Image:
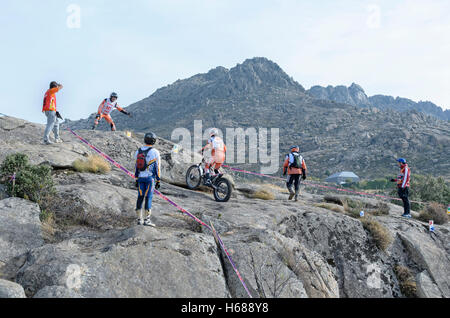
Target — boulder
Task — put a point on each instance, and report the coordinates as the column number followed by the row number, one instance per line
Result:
column 137, row 262
column 20, row 228
column 56, row 292
column 429, row 256
column 426, row 288
column 11, row 290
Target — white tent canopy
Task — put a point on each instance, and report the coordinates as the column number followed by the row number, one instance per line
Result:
column 342, row 177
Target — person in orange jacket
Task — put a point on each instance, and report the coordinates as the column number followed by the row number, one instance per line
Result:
column 49, row 109
column 294, row 166
column 105, row 109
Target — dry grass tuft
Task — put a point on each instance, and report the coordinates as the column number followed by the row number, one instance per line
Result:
column 93, row 164
column 334, row 199
column 48, row 225
column 264, row 194
column 382, row 208
column 276, row 188
column 407, row 282
column 379, row 233
column 434, row 211
column 332, row 207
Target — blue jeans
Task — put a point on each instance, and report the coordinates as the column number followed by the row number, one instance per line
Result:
column 146, row 186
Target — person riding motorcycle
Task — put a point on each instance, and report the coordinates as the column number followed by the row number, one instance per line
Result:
column 105, row 109
column 218, row 154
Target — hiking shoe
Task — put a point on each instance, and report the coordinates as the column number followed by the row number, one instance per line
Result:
column 296, row 198
column 48, row 142
column 58, row 141
column 148, row 222
column 406, row 216
column 140, row 222
column 291, row 196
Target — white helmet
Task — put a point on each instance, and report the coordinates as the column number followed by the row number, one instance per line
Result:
column 213, row 132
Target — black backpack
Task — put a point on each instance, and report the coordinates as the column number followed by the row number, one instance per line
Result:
column 297, row 162
column 141, row 160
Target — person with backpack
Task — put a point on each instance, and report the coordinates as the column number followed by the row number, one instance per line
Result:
column 49, row 109
column 148, row 177
column 294, row 166
column 105, row 109
column 403, row 186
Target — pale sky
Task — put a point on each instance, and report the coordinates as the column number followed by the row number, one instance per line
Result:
column 398, row 48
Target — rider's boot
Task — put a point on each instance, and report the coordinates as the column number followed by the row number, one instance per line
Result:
column 140, row 217
column 147, row 221
column 207, row 178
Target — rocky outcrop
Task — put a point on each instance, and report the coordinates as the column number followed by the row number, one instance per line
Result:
column 281, row 248
column 11, row 290
column 56, row 292
column 137, row 262
column 355, row 95
column 20, row 228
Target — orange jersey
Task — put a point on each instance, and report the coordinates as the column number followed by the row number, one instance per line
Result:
column 50, row 100
column 403, row 177
column 292, row 170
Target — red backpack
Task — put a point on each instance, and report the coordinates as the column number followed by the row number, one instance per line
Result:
column 141, row 160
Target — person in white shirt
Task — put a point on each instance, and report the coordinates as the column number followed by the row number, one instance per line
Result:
column 148, row 177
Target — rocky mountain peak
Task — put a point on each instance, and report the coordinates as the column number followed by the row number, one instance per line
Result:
column 260, row 71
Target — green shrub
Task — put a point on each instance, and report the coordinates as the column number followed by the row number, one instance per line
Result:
column 33, row 183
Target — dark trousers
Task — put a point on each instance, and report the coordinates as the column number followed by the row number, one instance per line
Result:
column 403, row 194
column 293, row 179
column 145, row 192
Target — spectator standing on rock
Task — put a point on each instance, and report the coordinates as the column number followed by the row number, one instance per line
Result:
column 49, row 109
column 294, row 166
column 403, row 186
column 147, row 174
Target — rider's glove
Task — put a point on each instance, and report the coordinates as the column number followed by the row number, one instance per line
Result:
column 137, row 183
column 393, row 180
column 284, row 172
column 304, row 176
column 158, row 185
column 97, row 117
